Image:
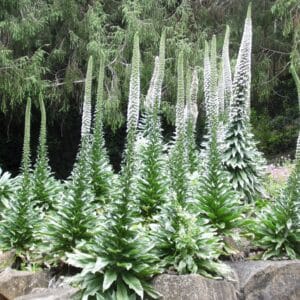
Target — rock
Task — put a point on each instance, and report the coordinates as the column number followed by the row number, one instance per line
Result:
column 268, row 280
column 193, row 287
column 7, row 259
column 15, row 283
column 60, row 293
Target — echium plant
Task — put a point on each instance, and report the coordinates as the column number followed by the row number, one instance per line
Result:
column 212, row 93
column 118, row 263
column 7, row 186
column 102, row 177
column 241, row 157
column 19, row 219
column 44, row 186
column 73, row 219
column 153, row 179
column 187, row 244
column 178, row 162
column 226, row 73
column 183, row 242
column 191, row 114
column 276, row 228
column 216, row 200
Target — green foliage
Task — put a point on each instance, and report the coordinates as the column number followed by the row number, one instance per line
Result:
column 120, row 257
column 19, row 219
column 216, row 199
column 187, row 244
column 6, row 187
column 45, row 187
column 74, row 216
column 152, row 181
column 101, row 172
column 276, row 228
column 191, row 114
column 241, row 157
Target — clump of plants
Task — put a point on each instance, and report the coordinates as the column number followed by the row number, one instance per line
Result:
column 119, row 262
column 74, row 215
column 172, row 207
column 19, row 219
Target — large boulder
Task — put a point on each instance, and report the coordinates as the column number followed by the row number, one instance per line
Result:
column 193, row 287
column 7, row 259
column 268, row 280
column 60, row 293
column 253, row 280
column 15, row 283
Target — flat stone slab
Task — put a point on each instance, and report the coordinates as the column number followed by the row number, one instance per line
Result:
column 193, row 287
column 60, row 293
column 254, row 280
column 268, row 280
column 15, row 283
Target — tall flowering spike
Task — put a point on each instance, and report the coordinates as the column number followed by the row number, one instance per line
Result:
column 134, row 87
column 241, row 157
column 161, row 73
column 87, row 103
column 99, row 102
column 43, row 133
column 226, row 70
column 213, row 80
column 187, row 95
column 297, row 81
column 25, row 165
column 221, row 91
column 180, row 96
column 242, row 75
column 207, row 73
column 193, row 95
column 152, row 91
